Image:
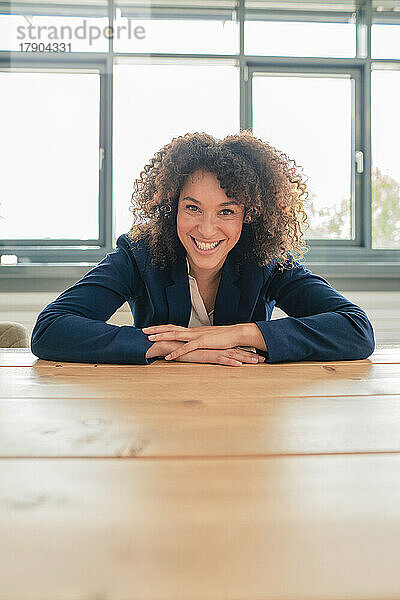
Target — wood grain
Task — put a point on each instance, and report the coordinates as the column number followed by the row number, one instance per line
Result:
column 185, row 381
column 282, row 528
column 210, row 427
column 22, row 357
column 203, row 482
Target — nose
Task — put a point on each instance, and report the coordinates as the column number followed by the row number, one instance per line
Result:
column 206, row 227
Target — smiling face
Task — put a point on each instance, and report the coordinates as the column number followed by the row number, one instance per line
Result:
column 208, row 223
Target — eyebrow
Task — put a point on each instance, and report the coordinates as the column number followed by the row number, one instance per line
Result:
column 222, row 203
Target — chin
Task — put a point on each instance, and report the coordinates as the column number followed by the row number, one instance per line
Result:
column 207, row 262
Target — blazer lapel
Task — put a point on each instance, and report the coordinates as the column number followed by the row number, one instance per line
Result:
column 178, row 294
column 228, row 295
column 179, row 300
column 251, row 284
column 238, row 293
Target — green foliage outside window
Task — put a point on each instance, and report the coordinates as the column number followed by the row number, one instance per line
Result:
column 334, row 222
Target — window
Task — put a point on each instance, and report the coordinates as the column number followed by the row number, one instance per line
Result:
column 80, row 28
column 296, row 28
column 385, row 31
column 177, row 26
column 385, row 41
column 282, row 38
column 309, row 118
column 49, row 154
column 385, row 161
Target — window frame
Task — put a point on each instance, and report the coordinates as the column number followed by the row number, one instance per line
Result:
column 70, row 250
column 330, row 256
column 322, row 67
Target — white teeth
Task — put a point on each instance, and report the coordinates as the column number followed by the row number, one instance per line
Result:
column 204, row 246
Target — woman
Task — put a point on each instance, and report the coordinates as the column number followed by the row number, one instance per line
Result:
column 213, row 248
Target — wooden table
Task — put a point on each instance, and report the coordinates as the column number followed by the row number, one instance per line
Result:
column 197, row 482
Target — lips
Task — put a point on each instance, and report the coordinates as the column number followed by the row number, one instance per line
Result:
column 210, row 251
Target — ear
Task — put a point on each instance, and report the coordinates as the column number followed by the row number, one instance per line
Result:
column 247, row 218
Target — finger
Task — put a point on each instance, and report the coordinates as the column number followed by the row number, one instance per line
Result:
column 162, row 328
column 247, row 353
column 184, row 349
column 231, row 362
column 256, row 358
column 171, row 335
column 246, row 356
column 243, row 356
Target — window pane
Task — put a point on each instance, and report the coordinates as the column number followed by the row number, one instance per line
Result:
column 337, row 6
column 385, row 41
column 154, row 103
column 385, row 159
column 177, row 4
column 385, row 31
column 280, row 38
column 59, row 6
column 79, row 34
column 309, row 118
column 180, row 36
column 176, row 26
column 49, row 155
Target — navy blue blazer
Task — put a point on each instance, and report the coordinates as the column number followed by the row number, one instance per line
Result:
column 321, row 324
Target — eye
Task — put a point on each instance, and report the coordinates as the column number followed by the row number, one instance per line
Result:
column 230, row 211
column 190, row 206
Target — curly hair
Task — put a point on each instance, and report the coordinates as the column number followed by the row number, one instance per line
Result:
column 251, row 171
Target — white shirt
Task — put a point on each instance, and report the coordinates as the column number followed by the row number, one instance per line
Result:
column 199, row 315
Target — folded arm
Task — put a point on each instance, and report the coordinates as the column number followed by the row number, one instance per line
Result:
column 321, row 324
column 73, row 328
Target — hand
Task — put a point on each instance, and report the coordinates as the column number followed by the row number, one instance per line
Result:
column 161, row 349
column 229, row 356
column 214, row 337
column 234, row 357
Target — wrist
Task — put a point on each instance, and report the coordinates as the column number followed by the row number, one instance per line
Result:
column 154, row 350
column 250, row 335
column 162, row 348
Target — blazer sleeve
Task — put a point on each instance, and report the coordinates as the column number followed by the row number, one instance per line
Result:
column 73, row 327
column 321, row 323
